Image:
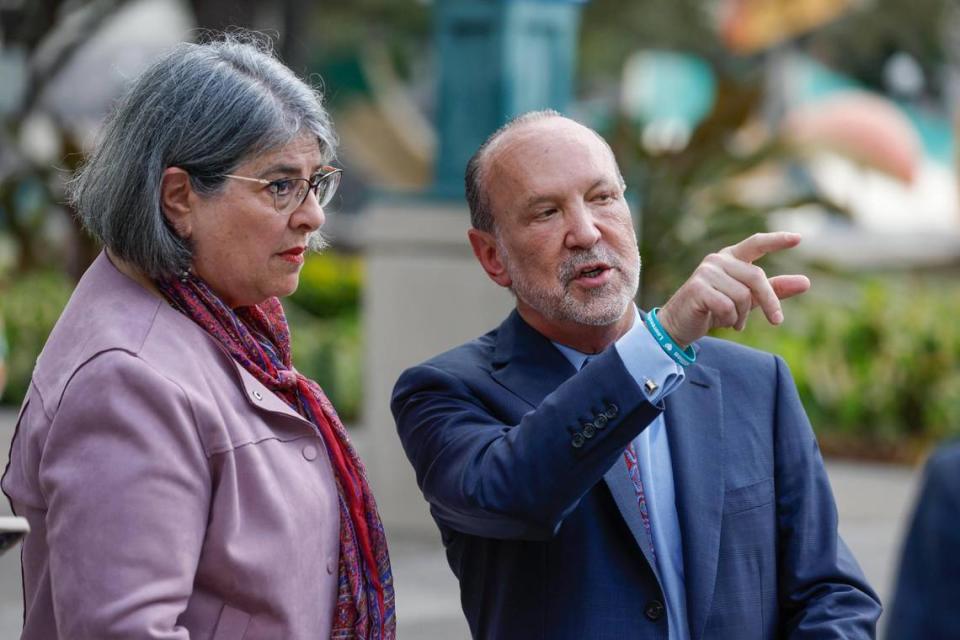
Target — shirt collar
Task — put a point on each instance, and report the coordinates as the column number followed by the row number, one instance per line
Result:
column 577, row 358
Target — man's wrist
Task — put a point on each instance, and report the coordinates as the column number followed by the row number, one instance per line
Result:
column 665, row 321
column 683, row 355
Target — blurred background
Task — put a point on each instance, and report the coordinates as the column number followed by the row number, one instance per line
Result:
column 833, row 118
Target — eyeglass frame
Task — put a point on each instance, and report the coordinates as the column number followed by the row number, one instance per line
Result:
column 313, row 184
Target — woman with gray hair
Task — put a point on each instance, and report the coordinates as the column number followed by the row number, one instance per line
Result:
column 181, row 478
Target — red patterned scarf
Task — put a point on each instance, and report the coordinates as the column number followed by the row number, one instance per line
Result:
column 259, row 339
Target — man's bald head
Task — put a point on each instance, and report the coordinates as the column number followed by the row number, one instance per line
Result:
column 478, row 200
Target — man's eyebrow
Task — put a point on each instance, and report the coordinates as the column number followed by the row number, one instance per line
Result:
column 603, row 182
column 536, row 199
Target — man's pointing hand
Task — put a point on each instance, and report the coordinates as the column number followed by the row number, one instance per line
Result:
column 726, row 286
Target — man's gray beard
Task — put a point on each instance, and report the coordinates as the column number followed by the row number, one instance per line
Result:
column 604, row 306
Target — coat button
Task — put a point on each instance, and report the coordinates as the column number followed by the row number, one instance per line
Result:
column 256, row 395
column 612, row 411
column 653, row 610
column 577, row 440
column 310, row 452
column 589, row 430
column 601, row 421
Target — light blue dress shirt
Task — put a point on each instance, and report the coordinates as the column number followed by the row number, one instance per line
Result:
column 645, row 360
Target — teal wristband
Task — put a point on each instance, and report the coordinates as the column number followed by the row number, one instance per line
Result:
column 683, row 357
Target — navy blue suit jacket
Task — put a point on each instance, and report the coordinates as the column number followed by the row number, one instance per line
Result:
column 926, row 605
column 545, row 536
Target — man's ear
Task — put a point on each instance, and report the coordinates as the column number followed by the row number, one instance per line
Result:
column 176, row 199
column 485, row 248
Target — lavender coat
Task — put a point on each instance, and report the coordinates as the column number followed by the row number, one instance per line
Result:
column 170, row 494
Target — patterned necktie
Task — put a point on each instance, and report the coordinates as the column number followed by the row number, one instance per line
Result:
column 633, row 468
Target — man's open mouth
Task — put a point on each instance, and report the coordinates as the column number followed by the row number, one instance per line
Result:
column 592, row 270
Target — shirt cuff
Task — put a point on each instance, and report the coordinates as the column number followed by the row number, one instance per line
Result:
column 655, row 372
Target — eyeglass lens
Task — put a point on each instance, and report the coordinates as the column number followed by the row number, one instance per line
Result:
column 291, row 193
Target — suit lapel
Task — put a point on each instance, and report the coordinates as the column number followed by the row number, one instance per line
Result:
column 526, row 363
column 624, row 494
column 694, row 419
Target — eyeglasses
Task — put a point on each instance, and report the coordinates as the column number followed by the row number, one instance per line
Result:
column 290, row 193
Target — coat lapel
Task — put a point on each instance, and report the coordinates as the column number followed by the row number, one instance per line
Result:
column 694, row 419
column 259, row 396
column 621, row 486
column 526, row 363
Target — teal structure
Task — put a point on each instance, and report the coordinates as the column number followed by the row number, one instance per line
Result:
column 497, row 58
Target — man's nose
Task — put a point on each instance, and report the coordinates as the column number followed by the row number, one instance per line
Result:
column 582, row 232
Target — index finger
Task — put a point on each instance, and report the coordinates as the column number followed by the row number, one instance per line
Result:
column 760, row 244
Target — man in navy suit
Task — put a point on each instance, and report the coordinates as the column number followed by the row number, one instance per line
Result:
column 598, row 473
column 927, row 600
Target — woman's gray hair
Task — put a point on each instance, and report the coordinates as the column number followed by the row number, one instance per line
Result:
column 205, row 108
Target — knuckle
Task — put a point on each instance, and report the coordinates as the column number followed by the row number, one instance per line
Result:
column 743, row 295
column 727, row 306
column 698, row 286
column 705, row 272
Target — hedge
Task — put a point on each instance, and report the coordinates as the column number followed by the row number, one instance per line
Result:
column 878, row 366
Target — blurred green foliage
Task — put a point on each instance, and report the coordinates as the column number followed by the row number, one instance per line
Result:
column 29, row 307
column 878, row 364
column 330, row 351
column 324, row 316
column 330, row 285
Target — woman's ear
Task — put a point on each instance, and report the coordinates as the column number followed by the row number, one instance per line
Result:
column 176, row 197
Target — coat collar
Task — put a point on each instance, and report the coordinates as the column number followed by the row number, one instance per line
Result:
column 258, row 395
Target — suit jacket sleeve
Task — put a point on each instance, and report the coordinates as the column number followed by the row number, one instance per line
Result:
column 127, row 487
column 486, row 477
column 822, row 591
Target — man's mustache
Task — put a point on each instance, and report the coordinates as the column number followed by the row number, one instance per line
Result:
column 571, row 267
